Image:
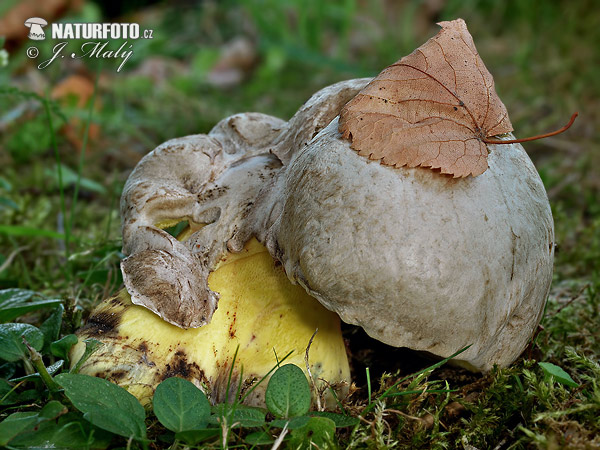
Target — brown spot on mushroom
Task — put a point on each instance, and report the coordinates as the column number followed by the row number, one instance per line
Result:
column 102, row 323
column 232, row 326
column 116, row 375
column 180, row 367
column 211, row 194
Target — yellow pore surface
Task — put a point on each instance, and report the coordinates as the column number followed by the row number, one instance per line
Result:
column 259, row 312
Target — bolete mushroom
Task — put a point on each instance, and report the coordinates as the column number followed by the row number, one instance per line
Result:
column 36, row 32
column 212, row 182
column 417, row 258
column 261, row 318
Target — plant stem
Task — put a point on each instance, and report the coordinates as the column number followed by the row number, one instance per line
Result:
column 36, row 360
column 534, row 138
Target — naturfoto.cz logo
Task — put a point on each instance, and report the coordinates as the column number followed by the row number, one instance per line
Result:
column 97, row 35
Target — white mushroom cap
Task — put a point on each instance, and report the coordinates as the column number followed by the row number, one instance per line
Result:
column 416, row 258
column 214, row 180
column 35, row 21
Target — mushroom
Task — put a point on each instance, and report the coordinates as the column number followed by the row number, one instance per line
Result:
column 261, row 318
column 35, row 24
column 213, row 182
column 416, row 258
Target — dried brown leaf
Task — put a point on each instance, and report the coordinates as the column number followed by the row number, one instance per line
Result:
column 433, row 108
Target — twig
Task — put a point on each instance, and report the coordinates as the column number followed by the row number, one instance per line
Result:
column 572, row 299
column 403, row 414
column 499, row 446
column 365, row 420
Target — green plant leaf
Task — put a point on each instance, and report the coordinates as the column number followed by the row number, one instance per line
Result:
column 21, row 422
column 340, row 420
column 292, row 424
column 52, row 410
column 238, row 415
column 16, row 302
column 12, row 347
column 35, row 376
column 29, row 395
column 21, row 230
column 62, row 347
column 15, row 424
column 194, row 437
column 42, row 437
column 51, row 328
column 8, row 369
column 7, row 395
column 288, row 392
column 552, row 370
column 105, row 404
column 7, row 203
column 70, row 178
column 259, row 438
column 71, row 432
column 318, row 432
column 180, row 406
column 4, row 183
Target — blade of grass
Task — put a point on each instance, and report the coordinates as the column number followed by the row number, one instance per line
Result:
column 421, row 391
column 387, row 392
column 231, row 374
column 63, row 207
column 368, row 383
column 265, row 377
column 22, row 230
column 86, row 133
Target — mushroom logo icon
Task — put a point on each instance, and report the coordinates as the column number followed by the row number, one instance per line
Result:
column 36, row 24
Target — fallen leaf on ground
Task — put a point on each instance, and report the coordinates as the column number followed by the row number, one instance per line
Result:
column 82, row 89
column 433, row 108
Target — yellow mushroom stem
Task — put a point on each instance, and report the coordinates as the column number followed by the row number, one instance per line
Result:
column 260, row 313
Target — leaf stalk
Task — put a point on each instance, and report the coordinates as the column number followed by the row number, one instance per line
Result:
column 534, row 138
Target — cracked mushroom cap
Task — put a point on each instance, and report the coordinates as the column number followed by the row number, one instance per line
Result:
column 419, row 259
column 213, row 181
